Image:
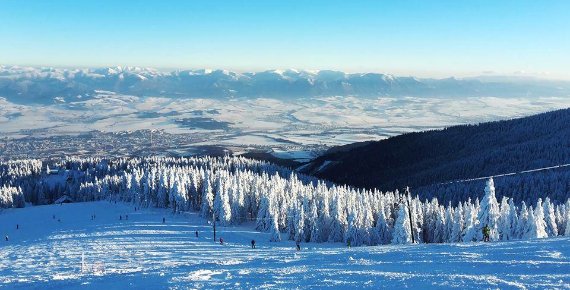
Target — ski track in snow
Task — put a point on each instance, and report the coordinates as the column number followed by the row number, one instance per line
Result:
column 144, row 253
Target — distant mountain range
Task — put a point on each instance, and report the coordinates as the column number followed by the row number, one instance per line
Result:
column 429, row 161
column 48, row 85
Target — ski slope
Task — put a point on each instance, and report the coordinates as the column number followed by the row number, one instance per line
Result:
column 142, row 252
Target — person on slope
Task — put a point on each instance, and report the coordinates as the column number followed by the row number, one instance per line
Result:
column 348, row 242
column 196, row 234
column 298, row 246
column 253, row 244
column 486, row 233
column 221, row 241
column 6, row 238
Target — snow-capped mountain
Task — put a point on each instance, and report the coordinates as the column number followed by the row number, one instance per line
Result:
column 43, row 85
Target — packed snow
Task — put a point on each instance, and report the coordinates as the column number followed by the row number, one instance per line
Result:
column 94, row 246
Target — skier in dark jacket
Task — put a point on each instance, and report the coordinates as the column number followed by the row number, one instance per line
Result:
column 253, row 244
column 298, row 246
column 196, row 233
column 221, row 241
column 486, row 233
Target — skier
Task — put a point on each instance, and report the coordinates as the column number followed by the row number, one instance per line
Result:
column 120, row 217
column 253, row 244
column 486, row 233
column 298, row 246
column 6, row 238
column 163, row 220
column 196, row 234
column 348, row 243
column 17, row 226
column 221, row 241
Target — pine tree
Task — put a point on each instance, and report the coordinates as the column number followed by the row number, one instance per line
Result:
column 504, row 220
column 567, row 232
column 439, row 231
column 402, row 233
column 291, row 219
column 264, row 217
column 471, row 223
column 550, row 218
column 207, row 198
column 456, row 233
column 338, row 221
column 524, row 222
column 351, row 235
column 382, row 229
column 448, row 223
column 315, row 226
column 489, row 213
column 225, row 214
column 163, row 189
column 537, row 227
column 512, row 221
column 275, row 235
column 299, row 224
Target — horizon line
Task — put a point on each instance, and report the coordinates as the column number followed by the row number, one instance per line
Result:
column 435, row 76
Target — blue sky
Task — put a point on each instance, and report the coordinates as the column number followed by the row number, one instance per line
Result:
column 423, row 38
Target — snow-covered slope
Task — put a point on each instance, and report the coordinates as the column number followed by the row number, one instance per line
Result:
column 143, row 253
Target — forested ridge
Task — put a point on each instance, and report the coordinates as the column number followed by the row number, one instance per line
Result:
column 424, row 160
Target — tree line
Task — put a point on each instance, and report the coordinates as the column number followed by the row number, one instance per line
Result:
column 234, row 190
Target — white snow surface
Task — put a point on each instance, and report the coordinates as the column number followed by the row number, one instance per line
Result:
column 144, row 253
column 265, row 122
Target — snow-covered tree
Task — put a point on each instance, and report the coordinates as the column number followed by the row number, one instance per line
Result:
column 567, row 232
column 207, row 198
column 550, row 218
column 537, row 226
column 524, row 223
column 402, row 233
column 489, row 213
column 383, row 231
column 275, row 235
column 458, row 222
column 264, row 217
column 471, row 228
column 315, row 226
column 504, row 226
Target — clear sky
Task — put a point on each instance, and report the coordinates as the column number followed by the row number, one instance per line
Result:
column 423, row 38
